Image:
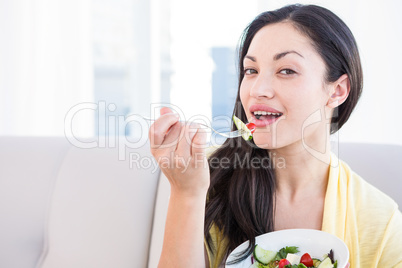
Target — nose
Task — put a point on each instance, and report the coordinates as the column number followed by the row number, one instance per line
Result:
column 262, row 88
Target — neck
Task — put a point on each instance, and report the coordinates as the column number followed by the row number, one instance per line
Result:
column 304, row 173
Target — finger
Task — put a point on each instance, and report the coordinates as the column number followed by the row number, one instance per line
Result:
column 183, row 147
column 165, row 110
column 160, row 127
column 194, row 141
column 199, row 143
column 173, row 136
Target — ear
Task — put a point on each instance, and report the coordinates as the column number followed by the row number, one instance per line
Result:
column 339, row 91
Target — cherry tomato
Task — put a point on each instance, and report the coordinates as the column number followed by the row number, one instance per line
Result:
column 306, row 260
column 251, row 127
column 283, row 263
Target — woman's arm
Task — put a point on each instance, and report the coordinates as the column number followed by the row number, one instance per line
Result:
column 179, row 150
column 183, row 244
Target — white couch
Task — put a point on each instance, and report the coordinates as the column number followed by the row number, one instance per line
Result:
column 68, row 207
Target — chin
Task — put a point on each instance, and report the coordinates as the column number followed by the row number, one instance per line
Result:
column 264, row 141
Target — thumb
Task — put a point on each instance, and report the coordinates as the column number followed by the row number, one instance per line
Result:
column 165, row 110
column 199, row 143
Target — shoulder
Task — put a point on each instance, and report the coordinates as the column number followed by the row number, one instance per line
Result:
column 363, row 194
column 364, row 217
column 376, row 217
column 360, row 203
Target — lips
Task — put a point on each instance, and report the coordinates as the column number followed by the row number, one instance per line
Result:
column 264, row 115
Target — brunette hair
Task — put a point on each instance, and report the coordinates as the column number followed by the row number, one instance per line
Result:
column 241, row 198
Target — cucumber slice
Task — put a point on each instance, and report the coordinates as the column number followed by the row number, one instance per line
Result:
column 316, row 262
column 263, row 256
column 241, row 126
column 326, row 263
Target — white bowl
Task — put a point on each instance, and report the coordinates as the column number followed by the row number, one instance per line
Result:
column 316, row 243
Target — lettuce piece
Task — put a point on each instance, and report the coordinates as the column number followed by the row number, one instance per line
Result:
column 283, row 252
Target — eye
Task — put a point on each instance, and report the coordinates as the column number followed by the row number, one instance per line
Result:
column 287, row 71
column 249, row 71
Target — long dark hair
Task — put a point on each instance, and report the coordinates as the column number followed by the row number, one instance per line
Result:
column 241, row 196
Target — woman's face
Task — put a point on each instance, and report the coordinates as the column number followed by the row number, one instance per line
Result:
column 284, row 82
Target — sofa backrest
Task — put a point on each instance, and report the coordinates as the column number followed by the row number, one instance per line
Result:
column 28, row 172
column 379, row 164
column 64, row 206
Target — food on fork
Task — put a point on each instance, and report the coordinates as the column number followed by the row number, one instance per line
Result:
column 247, row 128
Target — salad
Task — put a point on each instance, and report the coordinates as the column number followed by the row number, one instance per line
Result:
column 289, row 257
column 248, row 128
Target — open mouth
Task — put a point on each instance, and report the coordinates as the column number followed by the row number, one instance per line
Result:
column 263, row 115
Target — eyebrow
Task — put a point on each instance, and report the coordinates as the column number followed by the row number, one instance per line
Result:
column 277, row 56
column 251, row 58
column 283, row 54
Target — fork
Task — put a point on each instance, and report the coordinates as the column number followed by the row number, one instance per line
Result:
column 227, row 134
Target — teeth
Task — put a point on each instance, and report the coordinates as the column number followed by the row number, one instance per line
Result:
column 265, row 113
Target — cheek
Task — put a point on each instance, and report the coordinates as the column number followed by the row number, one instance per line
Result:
column 243, row 94
column 302, row 110
column 306, row 99
column 306, row 114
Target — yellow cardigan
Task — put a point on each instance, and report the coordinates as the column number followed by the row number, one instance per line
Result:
column 367, row 220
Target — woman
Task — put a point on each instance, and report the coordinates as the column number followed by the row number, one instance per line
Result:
column 300, row 79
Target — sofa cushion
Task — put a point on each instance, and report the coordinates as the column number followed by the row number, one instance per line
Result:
column 28, row 171
column 102, row 209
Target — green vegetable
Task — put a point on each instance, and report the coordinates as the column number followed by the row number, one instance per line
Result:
column 262, row 255
column 326, row 263
column 241, row 126
column 316, row 262
column 300, row 265
column 283, row 252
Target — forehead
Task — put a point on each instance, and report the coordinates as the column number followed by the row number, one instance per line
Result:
column 278, row 37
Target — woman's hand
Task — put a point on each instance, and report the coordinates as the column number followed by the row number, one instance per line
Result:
column 180, row 152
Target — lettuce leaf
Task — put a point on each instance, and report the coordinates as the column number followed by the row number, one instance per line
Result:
column 283, row 252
